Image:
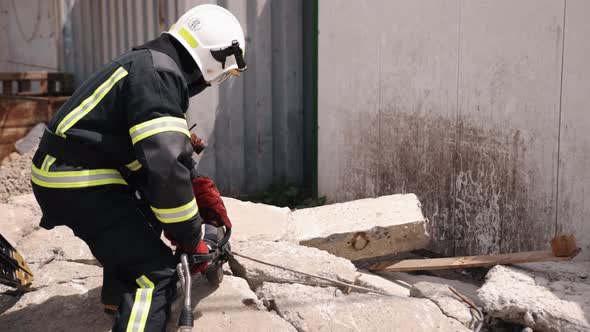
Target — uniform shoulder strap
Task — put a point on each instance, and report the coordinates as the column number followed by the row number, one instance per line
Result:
column 163, row 61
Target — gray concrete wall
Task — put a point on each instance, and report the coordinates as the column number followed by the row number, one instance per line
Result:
column 459, row 102
column 28, row 35
column 253, row 124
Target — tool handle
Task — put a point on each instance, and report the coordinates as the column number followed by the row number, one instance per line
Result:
column 185, row 321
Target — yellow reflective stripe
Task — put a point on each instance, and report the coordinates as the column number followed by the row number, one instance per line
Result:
column 47, row 162
column 50, row 162
column 192, row 42
column 144, row 282
column 134, row 165
column 75, row 179
column 89, row 103
column 156, row 126
column 177, row 214
column 141, row 305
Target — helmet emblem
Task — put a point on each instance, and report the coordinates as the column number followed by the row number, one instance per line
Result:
column 194, row 24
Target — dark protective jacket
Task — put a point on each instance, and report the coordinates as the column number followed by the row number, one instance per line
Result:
column 131, row 116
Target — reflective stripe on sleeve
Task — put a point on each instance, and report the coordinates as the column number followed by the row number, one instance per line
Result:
column 179, row 214
column 156, row 126
column 141, row 305
column 76, row 179
column 89, row 103
column 134, row 166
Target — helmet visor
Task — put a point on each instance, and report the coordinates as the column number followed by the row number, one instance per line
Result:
column 221, row 78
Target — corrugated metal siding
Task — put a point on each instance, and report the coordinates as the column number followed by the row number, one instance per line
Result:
column 254, row 123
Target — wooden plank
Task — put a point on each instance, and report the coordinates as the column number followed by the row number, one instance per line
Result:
column 11, row 135
column 27, row 75
column 19, row 113
column 471, row 261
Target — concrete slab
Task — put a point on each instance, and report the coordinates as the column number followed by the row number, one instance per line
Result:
column 537, row 299
column 364, row 228
column 449, row 303
column 305, row 259
column 59, row 243
column 230, row 307
column 465, row 288
column 68, row 306
column 17, row 222
column 256, row 222
column 327, row 309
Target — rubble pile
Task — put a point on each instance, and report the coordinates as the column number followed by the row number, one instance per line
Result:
column 15, row 175
column 65, row 294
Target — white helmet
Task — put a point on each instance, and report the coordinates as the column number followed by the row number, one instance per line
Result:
column 214, row 38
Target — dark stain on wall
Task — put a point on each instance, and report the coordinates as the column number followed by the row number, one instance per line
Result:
column 474, row 183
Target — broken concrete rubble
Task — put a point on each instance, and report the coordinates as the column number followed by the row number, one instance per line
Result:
column 467, row 289
column 67, row 285
column 305, row 259
column 327, row 309
column 230, row 307
column 17, row 222
column 370, row 280
column 70, row 306
column 59, row 243
column 364, row 228
column 537, row 298
column 255, row 221
column 15, row 177
column 451, row 305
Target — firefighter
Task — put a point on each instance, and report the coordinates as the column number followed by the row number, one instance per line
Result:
column 122, row 135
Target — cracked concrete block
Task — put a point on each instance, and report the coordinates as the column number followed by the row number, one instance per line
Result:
column 327, row 309
column 59, row 243
column 232, row 306
column 538, row 299
column 256, row 222
column 59, row 307
column 467, row 289
column 62, row 272
column 17, row 222
column 449, row 303
column 28, row 202
column 370, row 280
column 305, row 259
column 364, row 228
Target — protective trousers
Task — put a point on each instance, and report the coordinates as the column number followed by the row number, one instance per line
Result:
column 138, row 266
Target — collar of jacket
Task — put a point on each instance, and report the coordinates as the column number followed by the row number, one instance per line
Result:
column 171, row 47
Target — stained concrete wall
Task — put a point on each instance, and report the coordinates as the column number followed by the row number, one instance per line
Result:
column 459, row 102
column 573, row 206
column 28, row 35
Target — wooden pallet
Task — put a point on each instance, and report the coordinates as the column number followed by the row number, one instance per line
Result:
column 26, row 99
column 36, row 83
column 563, row 248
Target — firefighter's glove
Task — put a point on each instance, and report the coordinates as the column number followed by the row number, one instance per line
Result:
column 200, row 249
column 211, row 207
